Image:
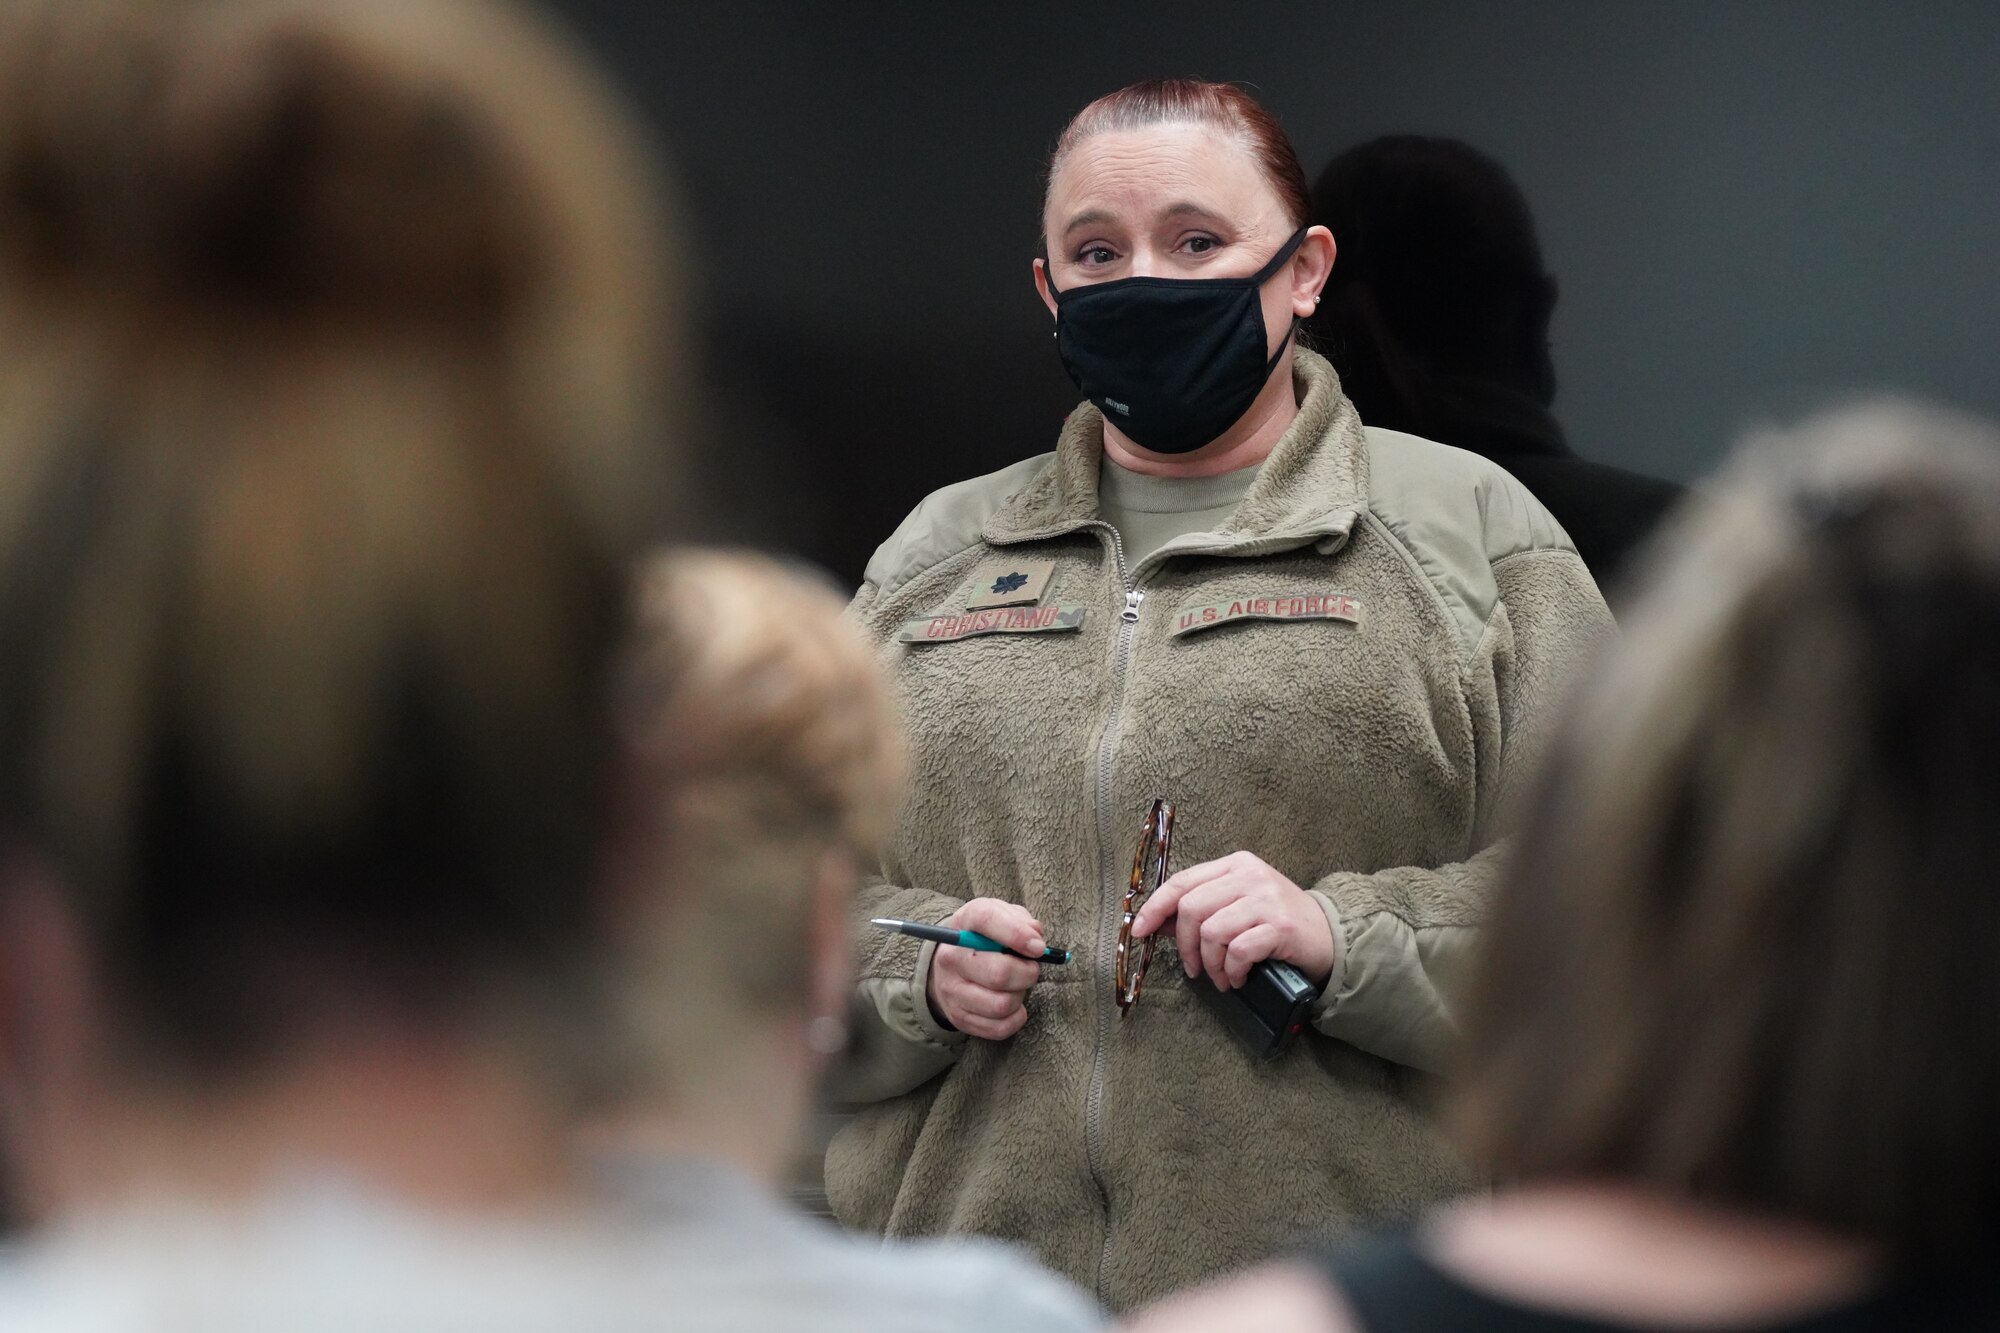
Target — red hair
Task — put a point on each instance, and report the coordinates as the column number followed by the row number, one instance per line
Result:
column 1196, row 102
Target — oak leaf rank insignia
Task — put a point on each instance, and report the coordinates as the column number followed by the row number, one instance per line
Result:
column 1016, row 582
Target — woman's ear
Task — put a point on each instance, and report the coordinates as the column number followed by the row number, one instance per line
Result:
column 1312, row 265
column 1042, row 286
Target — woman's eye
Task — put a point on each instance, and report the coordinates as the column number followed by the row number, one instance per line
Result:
column 1201, row 245
column 1095, row 254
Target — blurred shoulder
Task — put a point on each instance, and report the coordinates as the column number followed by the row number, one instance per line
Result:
column 48, row 1288
column 753, row 1265
column 1287, row 1296
column 946, row 522
column 974, row 1285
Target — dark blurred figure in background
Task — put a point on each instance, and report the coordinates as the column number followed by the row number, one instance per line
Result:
column 1735, row 1035
column 335, row 347
column 1437, row 319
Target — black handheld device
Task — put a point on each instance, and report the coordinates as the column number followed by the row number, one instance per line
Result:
column 1268, row 1009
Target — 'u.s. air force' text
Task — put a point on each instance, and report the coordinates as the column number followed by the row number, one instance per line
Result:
column 1290, row 606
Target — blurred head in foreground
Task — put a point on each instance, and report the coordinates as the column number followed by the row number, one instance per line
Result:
column 1747, row 952
column 1734, row 1036
column 770, row 762
column 332, row 341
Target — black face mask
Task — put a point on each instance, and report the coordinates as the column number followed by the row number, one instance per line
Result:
column 1172, row 362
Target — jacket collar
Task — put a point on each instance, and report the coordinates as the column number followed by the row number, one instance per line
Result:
column 1310, row 489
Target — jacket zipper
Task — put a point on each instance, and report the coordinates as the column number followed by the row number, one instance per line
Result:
column 1107, row 934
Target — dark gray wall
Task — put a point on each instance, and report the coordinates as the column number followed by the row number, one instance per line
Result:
column 1751, row 207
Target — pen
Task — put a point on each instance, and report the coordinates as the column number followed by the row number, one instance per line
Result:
column 964, row 939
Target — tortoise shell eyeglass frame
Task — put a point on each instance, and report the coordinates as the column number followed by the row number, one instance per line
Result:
column 1149, row 871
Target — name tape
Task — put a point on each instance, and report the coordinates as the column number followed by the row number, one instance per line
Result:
column 1010, row 620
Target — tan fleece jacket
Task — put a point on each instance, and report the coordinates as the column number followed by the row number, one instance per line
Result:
column 1347, row 679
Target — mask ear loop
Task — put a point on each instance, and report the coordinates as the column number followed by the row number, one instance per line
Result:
column 1264, row 275
column 1278, row 260
column 1283, row 343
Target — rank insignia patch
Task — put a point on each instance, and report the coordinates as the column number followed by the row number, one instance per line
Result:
column 1008, row 583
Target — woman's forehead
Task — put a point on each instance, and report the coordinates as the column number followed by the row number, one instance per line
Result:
column 1138, row 175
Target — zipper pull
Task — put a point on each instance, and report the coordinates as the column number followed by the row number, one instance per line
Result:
column 1130, row 615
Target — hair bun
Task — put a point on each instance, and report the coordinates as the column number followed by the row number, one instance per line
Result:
column 242, row 152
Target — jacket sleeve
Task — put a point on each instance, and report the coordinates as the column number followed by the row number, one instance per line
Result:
column 894, row 1042
column 1404, row 937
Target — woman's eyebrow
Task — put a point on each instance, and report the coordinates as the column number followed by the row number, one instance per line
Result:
column 1091, row 217
column 1185, row 208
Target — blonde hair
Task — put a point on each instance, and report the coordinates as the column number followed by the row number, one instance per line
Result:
column 766, row 742
column 336, row 352
column 1746, row 949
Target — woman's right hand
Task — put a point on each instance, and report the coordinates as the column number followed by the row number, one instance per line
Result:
column 984, row 994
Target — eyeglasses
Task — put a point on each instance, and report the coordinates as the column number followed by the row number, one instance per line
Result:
column 1149, row 871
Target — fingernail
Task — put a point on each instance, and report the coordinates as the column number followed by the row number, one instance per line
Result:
column 1035, row 945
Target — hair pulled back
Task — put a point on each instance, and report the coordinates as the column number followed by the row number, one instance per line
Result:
column 331, row 402
column 1223, row 106
column 1745, row 950
column 767, row 748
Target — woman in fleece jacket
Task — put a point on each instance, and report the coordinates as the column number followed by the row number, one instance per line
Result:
column 1332, row 648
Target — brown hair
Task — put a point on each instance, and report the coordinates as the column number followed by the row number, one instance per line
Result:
column 1196, row 102
column 1746, row 950
column 331, row 342
column 765, row 738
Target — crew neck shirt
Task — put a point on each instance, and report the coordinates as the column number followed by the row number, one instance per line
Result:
column 1151, row 511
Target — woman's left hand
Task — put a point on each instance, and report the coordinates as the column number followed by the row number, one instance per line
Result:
column 1233, row 913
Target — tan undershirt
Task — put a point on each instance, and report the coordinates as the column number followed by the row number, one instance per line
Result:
column 1149, row 512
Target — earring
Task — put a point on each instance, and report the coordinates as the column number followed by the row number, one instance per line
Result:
column 826, row 1035
column 1315, row 301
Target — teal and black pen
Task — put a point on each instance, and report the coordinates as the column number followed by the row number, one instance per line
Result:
column 964, row 939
